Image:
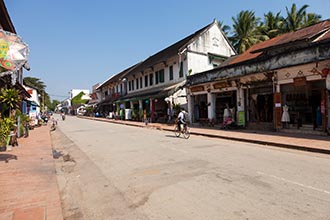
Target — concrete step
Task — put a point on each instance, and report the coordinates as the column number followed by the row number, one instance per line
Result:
column 303, row 131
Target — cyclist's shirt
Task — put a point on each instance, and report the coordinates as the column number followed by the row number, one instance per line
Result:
column 181, row 117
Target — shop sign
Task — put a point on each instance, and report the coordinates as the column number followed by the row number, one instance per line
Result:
column 221, row 85
column 299, row 81
column 241, row 118
column 197, row 89
column 278, row 105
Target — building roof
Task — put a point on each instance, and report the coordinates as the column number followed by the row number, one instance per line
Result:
column 118, row 76
column 5, row 21
column 311, row 34
column 172, row 50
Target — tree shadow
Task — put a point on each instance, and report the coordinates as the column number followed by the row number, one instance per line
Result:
column 7, row 157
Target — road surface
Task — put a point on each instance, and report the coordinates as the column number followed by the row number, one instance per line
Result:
column 111, row 171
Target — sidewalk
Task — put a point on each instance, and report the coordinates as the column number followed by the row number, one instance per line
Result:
column 312, row 143
column 28, row 183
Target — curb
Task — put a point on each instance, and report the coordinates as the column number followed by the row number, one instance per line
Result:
column 281, row 145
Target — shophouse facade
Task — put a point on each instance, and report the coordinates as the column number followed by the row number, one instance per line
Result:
column 292, row 69
column 155, row 86
column 12, row 79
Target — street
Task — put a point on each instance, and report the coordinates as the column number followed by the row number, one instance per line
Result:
column 115, row 171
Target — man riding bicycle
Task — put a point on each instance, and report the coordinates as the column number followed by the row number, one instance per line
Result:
column 181, row 119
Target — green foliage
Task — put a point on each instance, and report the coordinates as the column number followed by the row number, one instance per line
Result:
column 245, row 31
column 248, row 29
column 41, row 89
column 6, row 125
column 89, row 110
column 9, row 98
column 53, row 105
column 77, row 99
column 294, row 19
column 272, row 25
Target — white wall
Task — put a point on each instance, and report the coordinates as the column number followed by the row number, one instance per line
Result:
column 212, row 41
column 75, row 92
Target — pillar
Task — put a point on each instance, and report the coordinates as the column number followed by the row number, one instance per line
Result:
column 211, row 106
column 190, row 109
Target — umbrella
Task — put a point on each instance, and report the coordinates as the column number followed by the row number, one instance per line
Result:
column 13, row 52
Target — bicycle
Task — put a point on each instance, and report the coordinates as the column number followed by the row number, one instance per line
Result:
column 184, row 131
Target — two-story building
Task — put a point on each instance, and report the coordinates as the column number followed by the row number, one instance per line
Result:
column 156, row 86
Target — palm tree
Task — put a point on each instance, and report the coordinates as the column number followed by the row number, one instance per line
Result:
column 245, row 31
column 295, row 18
column 34, row 83
column 225, row 28
column 273, row 24
column 311, row 18
column 40, row 87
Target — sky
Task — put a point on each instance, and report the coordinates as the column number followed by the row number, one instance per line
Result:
column 75, row 44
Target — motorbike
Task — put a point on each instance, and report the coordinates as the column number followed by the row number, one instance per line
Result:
column 228, row 123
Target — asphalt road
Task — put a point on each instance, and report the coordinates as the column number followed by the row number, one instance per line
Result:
column 115, row 171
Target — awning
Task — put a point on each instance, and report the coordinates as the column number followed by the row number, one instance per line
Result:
column 32, row 103
column 158, row 92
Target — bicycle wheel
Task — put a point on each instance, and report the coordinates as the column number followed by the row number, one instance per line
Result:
column 176, row 131
column 186, row 133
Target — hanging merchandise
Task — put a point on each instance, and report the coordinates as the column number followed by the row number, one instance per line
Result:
column 13, row 52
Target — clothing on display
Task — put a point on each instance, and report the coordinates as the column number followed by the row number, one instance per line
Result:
column 285, row 115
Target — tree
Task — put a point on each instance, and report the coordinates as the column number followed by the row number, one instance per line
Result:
column 53, row 104
column 10, row 99
column 311, row 18
column 295, row 18
column 40, row 87
column 225, row 28
column 245, row 31
column 272, row 25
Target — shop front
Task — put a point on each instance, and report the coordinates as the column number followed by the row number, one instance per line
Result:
column 306, row 101
column 303, row 97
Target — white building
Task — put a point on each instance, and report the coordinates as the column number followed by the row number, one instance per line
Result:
column 156, row 85
column 33, row 103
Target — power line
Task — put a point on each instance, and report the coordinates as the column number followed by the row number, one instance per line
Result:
column 58, row 95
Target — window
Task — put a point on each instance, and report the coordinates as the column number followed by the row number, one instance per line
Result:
column 151, row 79
column 137, row 83
column 105, row 93
column 181, row 69
column 132, row 84
column 129, row 86
column 145, row 80
column 141, row 82
column 171, row 73
column 157, row 77
column 161, row 76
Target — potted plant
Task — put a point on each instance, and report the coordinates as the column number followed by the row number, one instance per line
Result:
column 5, row 127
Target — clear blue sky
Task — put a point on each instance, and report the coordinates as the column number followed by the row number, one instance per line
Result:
column 75, row 44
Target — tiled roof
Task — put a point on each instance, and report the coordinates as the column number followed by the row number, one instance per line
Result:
column 116, row 77
column 312, row 34
column 170, row 51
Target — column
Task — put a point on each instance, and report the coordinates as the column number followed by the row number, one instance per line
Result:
column 211, row 106
column 190, row 109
